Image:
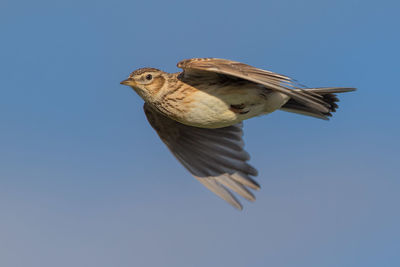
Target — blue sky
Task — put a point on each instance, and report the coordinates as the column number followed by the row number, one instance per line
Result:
column 84, row 180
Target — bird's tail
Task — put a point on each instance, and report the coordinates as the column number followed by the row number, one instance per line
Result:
column 326, row 96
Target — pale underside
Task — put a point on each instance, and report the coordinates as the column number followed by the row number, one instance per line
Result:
column 216, row 107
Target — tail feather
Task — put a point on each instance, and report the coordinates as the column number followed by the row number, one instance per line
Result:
column 325, row 95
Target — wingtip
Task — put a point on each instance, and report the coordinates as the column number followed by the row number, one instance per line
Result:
column 238, row 207
column 349, row 89
column 233, row 202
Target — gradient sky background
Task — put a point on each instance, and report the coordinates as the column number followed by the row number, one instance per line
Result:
column 84, row 180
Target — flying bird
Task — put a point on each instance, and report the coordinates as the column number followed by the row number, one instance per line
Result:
column 198, row 114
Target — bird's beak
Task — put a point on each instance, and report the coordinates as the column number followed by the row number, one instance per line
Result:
column 129, row 82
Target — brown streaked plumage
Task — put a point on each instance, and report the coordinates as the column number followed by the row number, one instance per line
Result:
column 198, row 114
column 143, row 70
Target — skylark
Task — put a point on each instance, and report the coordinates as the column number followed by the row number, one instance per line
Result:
column 198, row 114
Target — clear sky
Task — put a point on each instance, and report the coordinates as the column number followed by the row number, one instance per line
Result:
column 84, row 180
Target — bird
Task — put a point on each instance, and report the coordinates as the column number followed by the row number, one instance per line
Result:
column 198, row 114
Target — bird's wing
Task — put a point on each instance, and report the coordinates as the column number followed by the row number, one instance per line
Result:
column 271, row 80
column 215, row 157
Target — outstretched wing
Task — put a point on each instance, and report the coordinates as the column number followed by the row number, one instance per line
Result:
column 272, row 81
column 215, row 157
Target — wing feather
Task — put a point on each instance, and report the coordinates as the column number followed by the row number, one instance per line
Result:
column 270, row 80
column 215, row 157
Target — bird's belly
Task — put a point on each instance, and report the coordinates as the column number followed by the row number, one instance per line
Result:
column 216, row 110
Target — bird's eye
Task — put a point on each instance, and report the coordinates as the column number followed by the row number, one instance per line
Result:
column 149, row 77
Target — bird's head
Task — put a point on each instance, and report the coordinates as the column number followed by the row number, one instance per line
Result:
column 146, row 82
